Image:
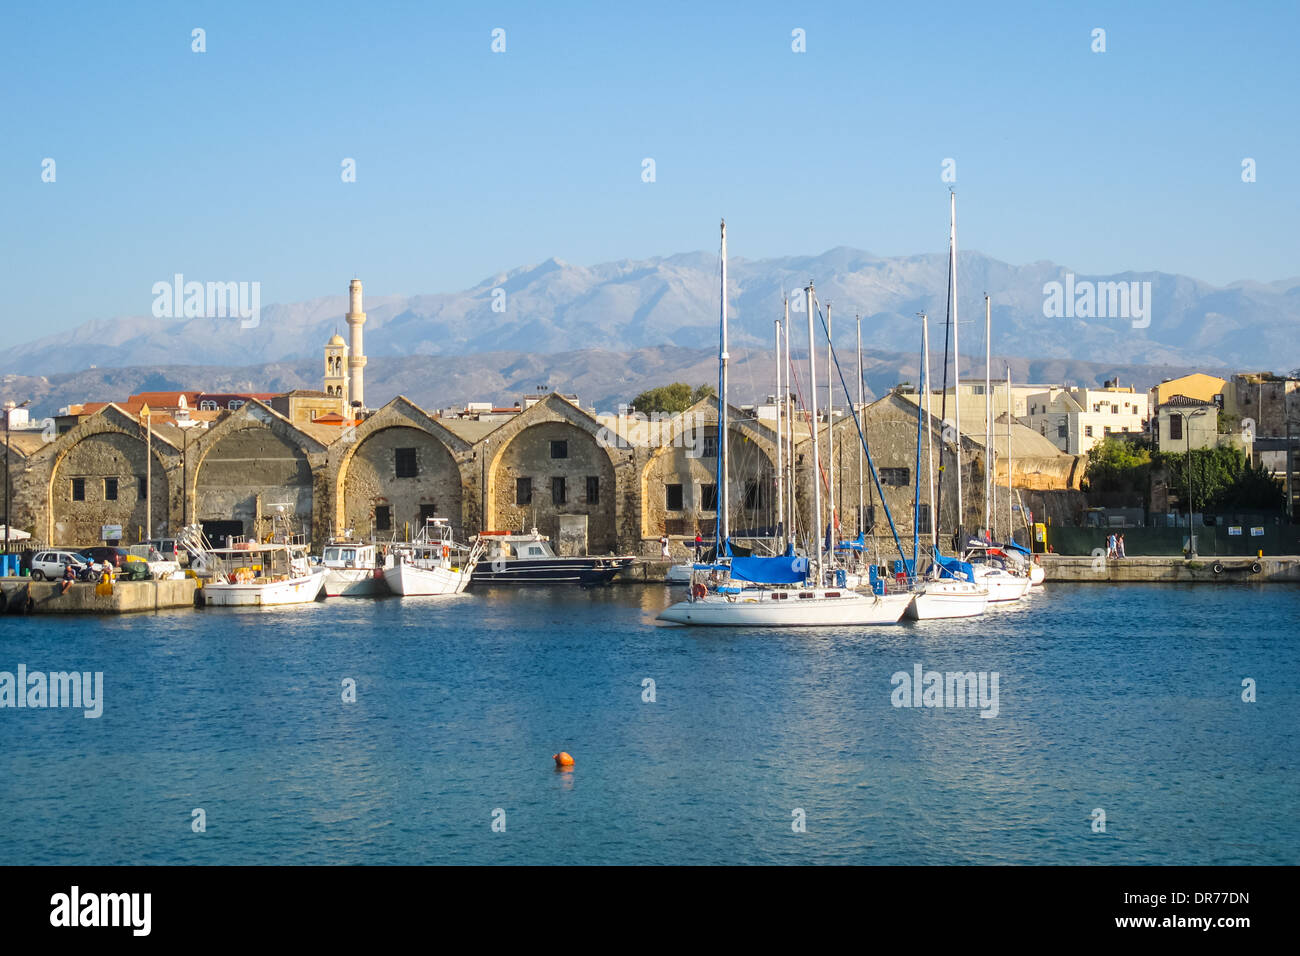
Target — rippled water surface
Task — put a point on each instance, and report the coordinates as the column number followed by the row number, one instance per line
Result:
column 1127, row 699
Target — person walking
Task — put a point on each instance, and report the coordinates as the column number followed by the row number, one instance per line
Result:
column 1110, row 545
column 699, row 545
column 1119, row 545
column 663, row 547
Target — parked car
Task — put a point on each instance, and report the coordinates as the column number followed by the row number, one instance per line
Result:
column 50, row 565
column 114, row 556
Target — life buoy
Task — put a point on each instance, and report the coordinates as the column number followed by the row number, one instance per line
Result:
column 446, row 550
column 699, row 590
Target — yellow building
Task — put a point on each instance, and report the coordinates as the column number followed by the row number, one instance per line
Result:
column 1198, row 385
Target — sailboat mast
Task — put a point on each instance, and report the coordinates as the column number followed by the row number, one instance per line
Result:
column 1011, row 531
column 780, row 456
column 789, row 426
column 816, row 452
column 830, row 435
column 956, row 361
column 988, row 416
column 862, row 525
column 724, row 501
column 929, row 424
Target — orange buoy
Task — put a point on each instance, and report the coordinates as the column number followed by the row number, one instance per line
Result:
column 562, row 759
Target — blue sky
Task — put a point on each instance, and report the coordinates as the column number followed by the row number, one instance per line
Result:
column 225, row 165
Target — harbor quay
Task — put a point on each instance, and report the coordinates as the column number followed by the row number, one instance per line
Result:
column 24, row 596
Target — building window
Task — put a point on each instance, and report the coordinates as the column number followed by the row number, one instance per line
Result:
column 78, row 489
column 523, row 491
column 673, row 497
column 383, row 518
column 896, row 476
column 110, row 489
column 923, row 519
column 142, row 487
column 560, row 449
column 207, row 406
column 708, row 497
column 559, row 492
column 1106, row 429
column 1087, row 431
column 593, row 490
column 1175, row 427
column 235, row 404
column 1062, row 431
column 405, row 462
column 710, row 447
column 754, row 497
column 427, row 511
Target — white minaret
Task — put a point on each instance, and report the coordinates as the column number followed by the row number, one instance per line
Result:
column 356, row 318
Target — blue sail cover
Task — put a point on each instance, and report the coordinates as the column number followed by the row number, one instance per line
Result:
column 782, row 570
column 953, row 568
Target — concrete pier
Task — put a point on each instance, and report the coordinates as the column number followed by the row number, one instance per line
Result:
column 1275, row 569
column 128, row 597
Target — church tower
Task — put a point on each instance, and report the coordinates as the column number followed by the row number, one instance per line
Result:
column 336, row 373
column 356, row 318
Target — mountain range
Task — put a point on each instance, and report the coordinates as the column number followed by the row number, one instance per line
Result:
column 657, row 319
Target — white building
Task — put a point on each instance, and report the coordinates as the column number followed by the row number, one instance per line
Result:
column 1075, row 419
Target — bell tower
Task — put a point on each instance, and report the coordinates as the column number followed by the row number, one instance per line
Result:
column 336, row 373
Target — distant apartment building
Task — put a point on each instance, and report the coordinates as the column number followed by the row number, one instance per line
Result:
column 1075, row 419
column 1183, row 423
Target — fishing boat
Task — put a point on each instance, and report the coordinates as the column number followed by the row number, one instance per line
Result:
column 254, row 573
column 432, row 564
column 529, row 559
column 783, row 591
column 352, row 569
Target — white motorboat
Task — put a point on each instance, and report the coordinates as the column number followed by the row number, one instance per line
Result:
column 679, row 574
column 351, row 570
column 433, row 564
column 254, row 573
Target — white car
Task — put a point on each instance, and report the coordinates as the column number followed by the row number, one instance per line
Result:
column 49, row 565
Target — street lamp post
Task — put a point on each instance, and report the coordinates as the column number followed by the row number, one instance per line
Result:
column 1187, row 429
column 9, row 408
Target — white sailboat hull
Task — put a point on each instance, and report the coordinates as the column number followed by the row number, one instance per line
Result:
column 816, row 607
column 948, row 599
column 1003, row 586
column 297, row 590
column 410, row 580
column 354, row 582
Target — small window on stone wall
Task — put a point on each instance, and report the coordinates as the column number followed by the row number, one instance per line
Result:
column 383, row 518
column 673, row 497
column 78, row 489
column 110, row 489
column 405, row 462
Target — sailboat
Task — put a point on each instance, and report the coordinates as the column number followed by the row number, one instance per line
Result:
column 989, row 570
column 949, row 590
column 784, row 591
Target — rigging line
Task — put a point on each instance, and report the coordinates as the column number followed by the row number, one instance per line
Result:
column 943, row 399
column 862, row 438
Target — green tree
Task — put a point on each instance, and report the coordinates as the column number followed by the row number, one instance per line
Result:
column 671, row 399
column 1223, row 479
column 1118, row 464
